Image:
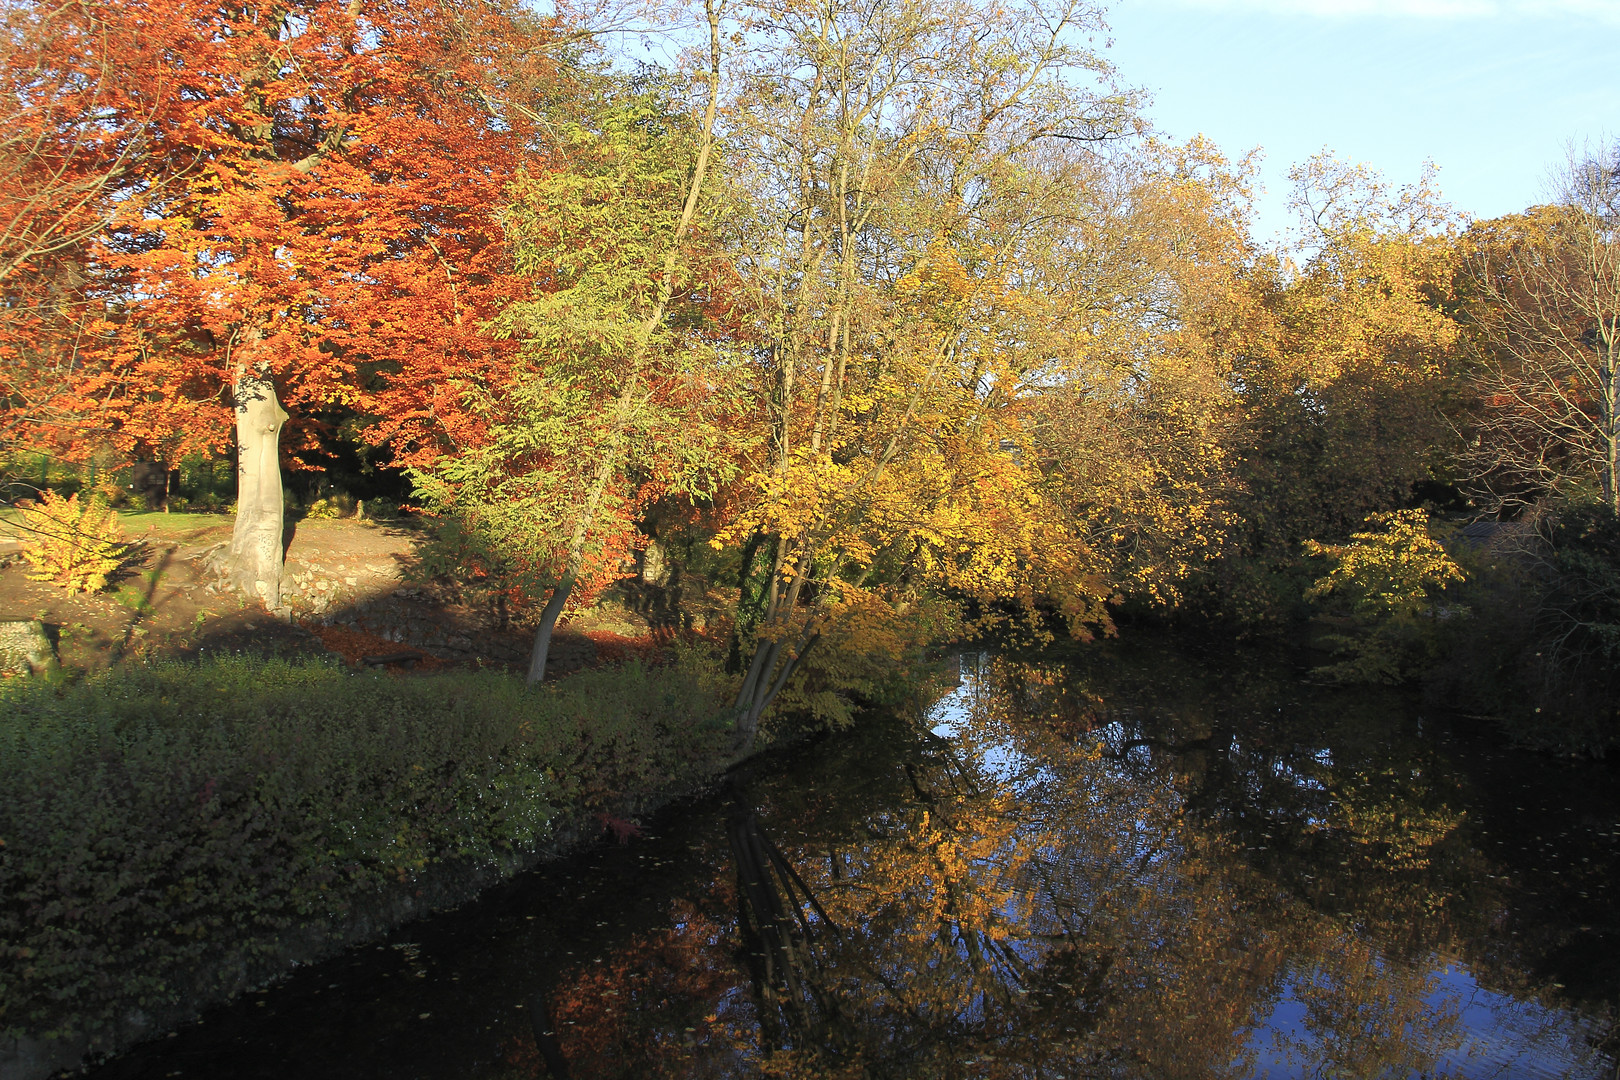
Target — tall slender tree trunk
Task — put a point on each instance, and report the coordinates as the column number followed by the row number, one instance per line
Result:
column 1608, row 346
column 624, row 406
column 548, row 622
column 254, row 563
column 576, row 542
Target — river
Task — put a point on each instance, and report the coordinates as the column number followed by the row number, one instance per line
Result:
column 1129, row 861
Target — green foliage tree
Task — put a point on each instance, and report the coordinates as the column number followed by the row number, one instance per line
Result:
column 619, row 391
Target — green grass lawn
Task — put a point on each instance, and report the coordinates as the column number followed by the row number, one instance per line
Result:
column 146, row 523
column 173, row 526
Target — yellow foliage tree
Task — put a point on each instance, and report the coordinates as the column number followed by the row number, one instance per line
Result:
column 901, row 162
column 1389, row 569
column 1134, row 414
column 1342, row 363
column 1390, row 575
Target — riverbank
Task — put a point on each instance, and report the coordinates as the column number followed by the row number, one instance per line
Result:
column 173, row 834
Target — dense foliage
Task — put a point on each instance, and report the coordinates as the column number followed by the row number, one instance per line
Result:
column 903, row 309
column 72, row 542
column 164, row 827
column 867, row 325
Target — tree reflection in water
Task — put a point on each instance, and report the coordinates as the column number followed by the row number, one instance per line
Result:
column 1074, row 884
column 791, row 994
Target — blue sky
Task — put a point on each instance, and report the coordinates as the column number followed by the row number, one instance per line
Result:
column 1491, row 90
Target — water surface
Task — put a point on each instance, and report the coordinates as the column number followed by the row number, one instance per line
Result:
column 1130, row 862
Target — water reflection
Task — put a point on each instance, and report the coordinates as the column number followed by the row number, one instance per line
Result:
column 1117, row 865
column 1074, row 880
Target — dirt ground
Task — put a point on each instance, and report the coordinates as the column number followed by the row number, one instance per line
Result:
column 162, row 604
column 166, row 604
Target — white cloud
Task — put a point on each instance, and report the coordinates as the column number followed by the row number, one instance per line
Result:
column 1600, row 10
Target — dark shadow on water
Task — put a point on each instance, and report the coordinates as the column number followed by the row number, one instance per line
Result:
column 545, row 1038
column 778, row 939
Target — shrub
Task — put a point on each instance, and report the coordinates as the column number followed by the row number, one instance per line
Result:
column 1387, row 581
column 207, row 483
column 330, row 507
column 162, row 825
column 76, row 545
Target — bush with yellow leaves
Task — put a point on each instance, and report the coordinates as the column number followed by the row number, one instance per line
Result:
column 1389, row 578
column 330, row 506
column 77, row 545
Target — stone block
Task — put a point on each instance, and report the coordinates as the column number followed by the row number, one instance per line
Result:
column 24, row 647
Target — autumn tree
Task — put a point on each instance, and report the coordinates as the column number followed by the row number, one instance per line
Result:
column 617, row 383
column 1342, row 360
column 1388, row 580
column 73, row 140
column 1134, row 417
column 895, row 161
column 308, row 225
column 61, row 161
column 1543, row 317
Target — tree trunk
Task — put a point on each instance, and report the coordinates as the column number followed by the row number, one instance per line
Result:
column 548, row 621
column 1608, row 346
column 254, row 564
column 767, row 675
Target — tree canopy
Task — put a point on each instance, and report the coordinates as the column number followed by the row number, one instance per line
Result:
column 903, row 310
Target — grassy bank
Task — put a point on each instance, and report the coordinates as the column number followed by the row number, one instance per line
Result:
column 164, row 827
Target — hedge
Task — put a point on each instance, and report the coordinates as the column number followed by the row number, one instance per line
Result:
column 161, row 826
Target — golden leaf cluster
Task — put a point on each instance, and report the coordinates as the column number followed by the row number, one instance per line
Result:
column 77, row 545
column 1394, row 566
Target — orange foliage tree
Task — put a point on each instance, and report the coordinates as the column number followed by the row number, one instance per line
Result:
column 306, row 224
column 1133, row 416
column 73, row 139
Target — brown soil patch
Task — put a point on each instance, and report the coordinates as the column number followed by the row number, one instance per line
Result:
column 160, row 605
column 166, row 604
column 346, row 585
column 356, row 645
column 649, row 648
